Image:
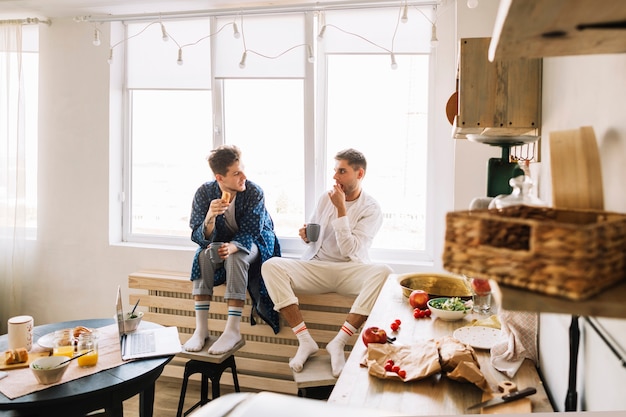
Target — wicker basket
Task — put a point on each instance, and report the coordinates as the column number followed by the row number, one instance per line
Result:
column 573, row 254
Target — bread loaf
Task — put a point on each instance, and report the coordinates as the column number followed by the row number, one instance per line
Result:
column 13, row 356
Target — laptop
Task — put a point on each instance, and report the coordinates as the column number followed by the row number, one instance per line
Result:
column 145, row 343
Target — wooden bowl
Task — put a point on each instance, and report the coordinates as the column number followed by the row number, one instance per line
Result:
column 436, row 285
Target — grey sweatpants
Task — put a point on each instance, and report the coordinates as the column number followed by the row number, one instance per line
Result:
column 236, row 265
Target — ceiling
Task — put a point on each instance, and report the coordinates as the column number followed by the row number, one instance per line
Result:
column 16, row 9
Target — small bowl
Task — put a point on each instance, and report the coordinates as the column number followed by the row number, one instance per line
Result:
column 446, row 315
column 46, row 369
column 131, row 324
column 436, row 285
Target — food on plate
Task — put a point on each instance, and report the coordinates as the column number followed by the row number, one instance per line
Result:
column 78, row 330
column 374, row 335
column 13, row 356
column 226, row 196
column 418, row 299
column 449, row 304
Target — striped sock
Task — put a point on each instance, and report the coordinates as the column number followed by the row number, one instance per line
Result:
column 231, row 335
column 196, row 341
column 306, row 348
column 335, row 348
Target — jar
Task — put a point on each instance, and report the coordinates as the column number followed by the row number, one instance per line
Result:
column 63, row 344
column 87, row 343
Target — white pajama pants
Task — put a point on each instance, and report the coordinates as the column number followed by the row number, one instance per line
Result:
column 284, row 277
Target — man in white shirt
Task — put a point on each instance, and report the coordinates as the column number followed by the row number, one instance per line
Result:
column 338, row 261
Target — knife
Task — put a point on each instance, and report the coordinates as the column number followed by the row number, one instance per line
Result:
column 511, row 396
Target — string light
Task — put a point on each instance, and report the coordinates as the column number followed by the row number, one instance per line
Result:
column 311, row 58
column 433, row 36
column 405, row 17
column 96, row 37
column 402, row 17
column 164, row 35
column 236, row 33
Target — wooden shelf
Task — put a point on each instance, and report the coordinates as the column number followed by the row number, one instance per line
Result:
column 539, row 28
column 609, row 303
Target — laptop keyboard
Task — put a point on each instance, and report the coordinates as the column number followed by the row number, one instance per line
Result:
column 143, row 343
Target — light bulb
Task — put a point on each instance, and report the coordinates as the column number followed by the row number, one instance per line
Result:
column 180, row 56
column 394, row 64
column 236, row 33
column 405, row 17
column 96, row 37
column 433, row 37
column 110, row 60
column 311, row 58
column 165, row 37
column 242, row 63
column 472, row 4
column 320, row 36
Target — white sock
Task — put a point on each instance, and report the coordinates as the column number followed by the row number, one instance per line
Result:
column 231, row 335
column 335, row 348
column 196, row 341
column 306, row 348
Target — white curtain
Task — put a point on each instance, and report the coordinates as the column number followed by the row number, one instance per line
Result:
column 12, row 173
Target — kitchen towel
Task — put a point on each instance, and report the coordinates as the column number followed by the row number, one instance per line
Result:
column 519, row 331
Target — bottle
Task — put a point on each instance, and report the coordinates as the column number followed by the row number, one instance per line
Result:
column 87, row 342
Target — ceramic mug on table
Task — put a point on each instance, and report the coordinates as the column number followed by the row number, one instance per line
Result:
column 20, row 332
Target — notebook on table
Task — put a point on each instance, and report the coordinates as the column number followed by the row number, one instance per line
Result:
column 145, row 343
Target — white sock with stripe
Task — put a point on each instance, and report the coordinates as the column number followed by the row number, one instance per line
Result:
column 231, row 335
column 306, row 348
column 196, row 341
column 336, row 348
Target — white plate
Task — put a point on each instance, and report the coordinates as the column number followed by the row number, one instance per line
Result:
column 479, row 337
column 502, row 140
column 46, row 341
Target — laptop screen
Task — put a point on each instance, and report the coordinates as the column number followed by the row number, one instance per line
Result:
column 119, row 313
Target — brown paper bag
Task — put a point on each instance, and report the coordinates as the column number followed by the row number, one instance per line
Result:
column 419, row 360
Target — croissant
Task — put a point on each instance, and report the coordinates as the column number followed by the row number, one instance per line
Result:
column 226, row 196
column 78, row 330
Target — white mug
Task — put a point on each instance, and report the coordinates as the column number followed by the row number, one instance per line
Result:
column 20, row 331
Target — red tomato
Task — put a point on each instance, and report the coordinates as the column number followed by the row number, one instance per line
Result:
column 402, row 373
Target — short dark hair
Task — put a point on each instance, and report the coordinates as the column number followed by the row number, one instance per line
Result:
column 355, row 158
column 222, row 157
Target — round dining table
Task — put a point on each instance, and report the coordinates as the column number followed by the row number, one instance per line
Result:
column 106, row 389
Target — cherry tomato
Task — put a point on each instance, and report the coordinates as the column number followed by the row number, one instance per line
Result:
column 395, row 326
column 395, row 368
column 388, row 367
column 401, row 373
column 390, row 361
column 398, row 321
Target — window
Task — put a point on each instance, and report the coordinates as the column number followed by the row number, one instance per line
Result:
column 289, row 117
column 18, row 137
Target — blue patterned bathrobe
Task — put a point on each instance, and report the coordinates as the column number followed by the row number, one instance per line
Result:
column 255, row 226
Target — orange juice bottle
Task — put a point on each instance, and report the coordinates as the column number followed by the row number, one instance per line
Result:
column 87, row 342
column 63, row 345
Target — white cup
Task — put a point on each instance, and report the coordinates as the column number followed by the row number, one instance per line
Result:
column 20, row 331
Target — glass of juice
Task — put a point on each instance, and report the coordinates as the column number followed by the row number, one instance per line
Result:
column 87, row 342
column 63, row 343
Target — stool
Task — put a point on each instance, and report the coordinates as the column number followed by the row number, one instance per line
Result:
column 316, row 379
column 211, row 367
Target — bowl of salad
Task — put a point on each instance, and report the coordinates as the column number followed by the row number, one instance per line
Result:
column 449, row 308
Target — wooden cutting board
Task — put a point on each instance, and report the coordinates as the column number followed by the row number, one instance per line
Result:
column 576, row 170
column 31, row 358
column 520, row 406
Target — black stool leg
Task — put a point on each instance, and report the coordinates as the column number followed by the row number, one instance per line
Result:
column 183, row 391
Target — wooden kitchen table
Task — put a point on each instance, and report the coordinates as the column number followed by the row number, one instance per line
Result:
column 435, row 395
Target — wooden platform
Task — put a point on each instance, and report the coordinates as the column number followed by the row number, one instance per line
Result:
column 263, row 362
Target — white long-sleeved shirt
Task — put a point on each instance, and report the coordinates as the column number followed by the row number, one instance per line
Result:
column 346, row 238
